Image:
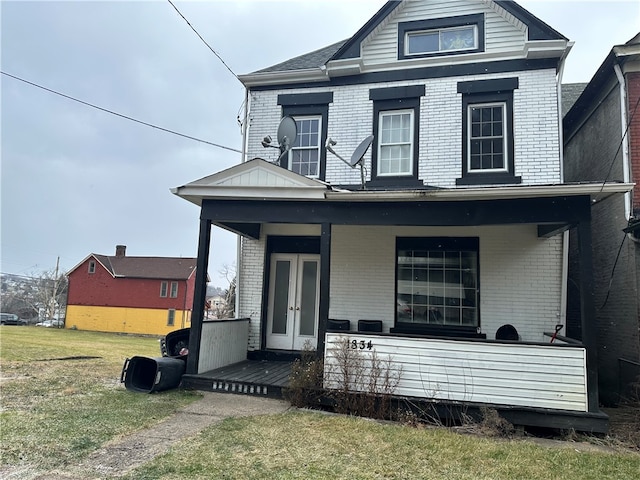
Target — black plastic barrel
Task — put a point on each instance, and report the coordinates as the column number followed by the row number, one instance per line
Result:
column 147, row 375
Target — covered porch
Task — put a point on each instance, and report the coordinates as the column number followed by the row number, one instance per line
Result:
column 352, row 244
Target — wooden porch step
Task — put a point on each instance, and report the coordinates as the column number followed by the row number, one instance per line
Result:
column 250, row 377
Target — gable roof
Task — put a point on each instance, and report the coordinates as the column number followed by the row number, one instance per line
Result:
column 351, row 48
column 165, row 268
column 255, row 178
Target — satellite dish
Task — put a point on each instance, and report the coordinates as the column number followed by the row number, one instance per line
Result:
column 356, row 157
column 360, row 151
column 287, row 133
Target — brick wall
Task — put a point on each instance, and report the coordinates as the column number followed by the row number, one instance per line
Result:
column 537, row 157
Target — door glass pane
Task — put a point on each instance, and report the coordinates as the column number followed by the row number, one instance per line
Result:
column 281, row 297
column 308, row 298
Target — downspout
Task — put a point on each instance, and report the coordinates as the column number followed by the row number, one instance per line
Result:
column 564, row 281
column 245, row 140
column 626, row 171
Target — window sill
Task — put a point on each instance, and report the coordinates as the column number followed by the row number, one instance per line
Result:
column 488, row 179
column 437, row 330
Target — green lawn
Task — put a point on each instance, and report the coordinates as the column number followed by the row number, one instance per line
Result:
column 56, row 410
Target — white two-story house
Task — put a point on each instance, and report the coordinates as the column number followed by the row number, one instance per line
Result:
column 436, row 235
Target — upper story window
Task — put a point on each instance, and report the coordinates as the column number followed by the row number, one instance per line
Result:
column 92, row 267
column 487, row 133
column 164, row 286
column 174, row 290
column 396, row 127
column 304, row 156
column 441, row 36
column 311, row 113
column 395, row 148
column 442, row 40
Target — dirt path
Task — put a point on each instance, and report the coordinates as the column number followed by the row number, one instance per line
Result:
column 120, row 456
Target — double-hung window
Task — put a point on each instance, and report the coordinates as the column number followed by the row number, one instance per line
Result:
column 304, row 156
column 396, row 127
column 395, row 147
column 488, row 153
column 164, row 286
column 174, row 290
column 311, row 113
column 437, row 282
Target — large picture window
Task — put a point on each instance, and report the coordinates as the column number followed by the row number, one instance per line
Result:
column 437, row 282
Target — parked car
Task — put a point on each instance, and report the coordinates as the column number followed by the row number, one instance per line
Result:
column 50, row 323
column 10, row 319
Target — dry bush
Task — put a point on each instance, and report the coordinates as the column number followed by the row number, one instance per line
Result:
column 362, row 383
column 493, row 425
column 305, row 381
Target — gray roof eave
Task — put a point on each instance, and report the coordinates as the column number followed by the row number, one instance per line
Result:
column 292, row 76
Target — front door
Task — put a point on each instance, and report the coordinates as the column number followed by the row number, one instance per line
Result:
column 292, row 316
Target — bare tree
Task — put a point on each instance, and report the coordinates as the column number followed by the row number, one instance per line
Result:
column 227, row 308
column 29, row 296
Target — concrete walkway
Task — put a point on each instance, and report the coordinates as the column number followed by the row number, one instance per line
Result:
column 120, row 456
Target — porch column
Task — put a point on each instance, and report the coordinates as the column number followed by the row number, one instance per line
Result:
column 325, row 274
column 589, row 330
column 199, row 296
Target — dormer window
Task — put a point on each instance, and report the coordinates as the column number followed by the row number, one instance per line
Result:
column 441, row 36
column 441, row 40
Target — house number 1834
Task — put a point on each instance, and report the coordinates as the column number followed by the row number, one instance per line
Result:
column 361, row 345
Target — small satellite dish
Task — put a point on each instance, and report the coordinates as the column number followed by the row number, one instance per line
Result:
column 360, row 151
column 356, row 157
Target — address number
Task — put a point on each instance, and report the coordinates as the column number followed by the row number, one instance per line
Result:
column 360, row 344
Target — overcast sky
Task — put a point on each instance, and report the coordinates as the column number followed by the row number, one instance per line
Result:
column 76, row 180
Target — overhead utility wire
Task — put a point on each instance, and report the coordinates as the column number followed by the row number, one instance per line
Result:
column 204, row 41
column 121, row 115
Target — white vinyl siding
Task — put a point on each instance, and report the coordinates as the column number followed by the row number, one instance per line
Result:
column 501, row 36
column 477, row 372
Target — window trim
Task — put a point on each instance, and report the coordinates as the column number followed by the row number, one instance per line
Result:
column 389, row 99
column 309, row 104
column 405, row 29
column 92, row 267
column 380, row 145
column 319, row 146
column 164, row 289
column 439, row 243
column 505, row 138
column 173, row 291
column 487, row 92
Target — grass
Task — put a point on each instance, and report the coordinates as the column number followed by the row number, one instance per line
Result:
column 62, row 398
column 302, row 445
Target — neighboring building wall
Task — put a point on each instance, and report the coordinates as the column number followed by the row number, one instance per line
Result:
column 350, row 119
column 633, row 99
column 589, row 155
column 125, row 320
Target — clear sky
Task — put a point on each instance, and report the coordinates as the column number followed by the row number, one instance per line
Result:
column 76, row 180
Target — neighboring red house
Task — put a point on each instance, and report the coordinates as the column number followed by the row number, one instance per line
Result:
column 149, row 295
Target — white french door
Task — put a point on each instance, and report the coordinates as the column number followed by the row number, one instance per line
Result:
column 292, row 316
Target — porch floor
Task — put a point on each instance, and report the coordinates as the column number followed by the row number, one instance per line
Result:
column 252, row 377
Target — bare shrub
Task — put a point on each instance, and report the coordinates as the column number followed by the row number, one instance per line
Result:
column 493, row 425
column 305, row 381
column 361, row 383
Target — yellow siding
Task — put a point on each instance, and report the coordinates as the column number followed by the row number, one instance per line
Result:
column 125, row 320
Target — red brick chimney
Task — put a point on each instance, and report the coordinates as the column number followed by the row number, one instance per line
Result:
column 121, row 250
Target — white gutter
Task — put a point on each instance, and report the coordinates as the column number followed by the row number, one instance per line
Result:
column 625, row 139
column 597, row 190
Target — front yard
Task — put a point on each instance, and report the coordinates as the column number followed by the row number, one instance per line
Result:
column 62, row 400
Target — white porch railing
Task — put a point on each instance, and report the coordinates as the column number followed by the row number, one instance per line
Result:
column 517, row 374
column 223, row 342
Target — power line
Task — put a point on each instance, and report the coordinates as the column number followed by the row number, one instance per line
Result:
column 120, row 114
column 204, row 41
